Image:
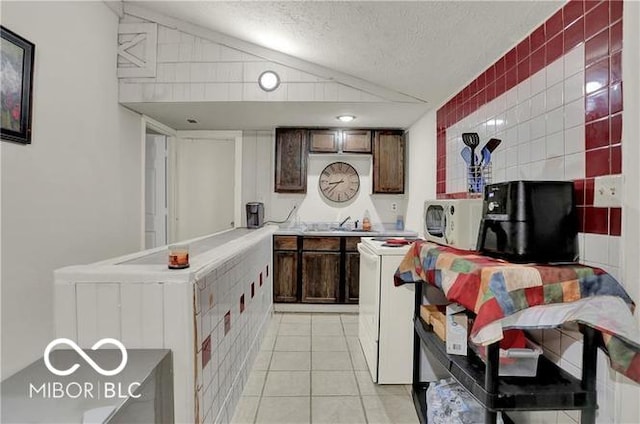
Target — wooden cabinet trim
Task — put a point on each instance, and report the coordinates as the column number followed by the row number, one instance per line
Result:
column 351, row 244
column 324, row 141
column 285, row 242
column 356, row 141
column 291, row 160
column 388, row 168
column 329, row 244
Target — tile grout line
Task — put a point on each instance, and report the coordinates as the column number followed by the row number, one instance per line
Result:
column 310, row 368
column 255, row 416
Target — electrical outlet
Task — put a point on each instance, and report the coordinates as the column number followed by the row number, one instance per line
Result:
column 394, row 207
column 607, row 191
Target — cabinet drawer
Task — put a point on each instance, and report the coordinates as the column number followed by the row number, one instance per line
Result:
column 321, row 243
column 351, row 244
column 285, row 242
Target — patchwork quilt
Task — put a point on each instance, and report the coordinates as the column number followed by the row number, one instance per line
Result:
column 500, row 292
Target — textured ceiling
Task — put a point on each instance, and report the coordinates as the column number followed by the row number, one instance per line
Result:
column 425, row 49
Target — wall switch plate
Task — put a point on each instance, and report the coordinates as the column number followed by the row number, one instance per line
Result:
column 608, row 191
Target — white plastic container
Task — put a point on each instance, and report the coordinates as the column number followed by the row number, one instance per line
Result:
column 521, row 362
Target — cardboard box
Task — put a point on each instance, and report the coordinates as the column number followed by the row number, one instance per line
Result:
column 457, row 330
column 434, row 315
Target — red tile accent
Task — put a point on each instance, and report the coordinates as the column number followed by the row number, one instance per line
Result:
column 588, row 191
column 511, row 78
column 523, row 70
column 490, row 73
column 615, row 133
column 572, row 11
column 538, row 59
column 597, row 134
column 590, row 4
column 253, row 290
column 267, row 271
column 227, row 322
column 616, row 159
column 523, row 49
column 596, row 220
column 597, row 105
column 615, row 221
column 537, row 38
column 580, row 210
column 554, row 24
column 597, row 162
column 615, row 10
column 242, row 303
column 574, row 35
column 206, row 351
column 596, row 48
column 501, row 66
column 615, row 97
column 596, row 76
column 554, row 48
column 260, row 279
column 616, row 37
column 616, row 67
column 596, row 20
column 578, row 190
column 501, row 85
column 511, row 59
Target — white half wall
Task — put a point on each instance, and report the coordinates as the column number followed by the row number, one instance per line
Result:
column 74, row 195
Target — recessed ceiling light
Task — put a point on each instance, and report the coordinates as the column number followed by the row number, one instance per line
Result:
column 192, row 121
column 269, row 80
column 346, row 118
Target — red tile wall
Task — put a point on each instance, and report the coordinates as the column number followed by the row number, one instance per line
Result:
column 598, row 24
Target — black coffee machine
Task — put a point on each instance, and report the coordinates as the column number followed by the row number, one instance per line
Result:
column 529, row 221
column 255, row 214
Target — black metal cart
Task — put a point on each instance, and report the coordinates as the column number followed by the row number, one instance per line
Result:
column 551, row 389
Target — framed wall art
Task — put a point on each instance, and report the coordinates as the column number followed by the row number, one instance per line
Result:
column 16, row 71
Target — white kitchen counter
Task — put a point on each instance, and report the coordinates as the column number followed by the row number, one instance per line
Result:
column 211, row 315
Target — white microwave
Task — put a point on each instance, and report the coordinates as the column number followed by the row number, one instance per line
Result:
column 453, row 222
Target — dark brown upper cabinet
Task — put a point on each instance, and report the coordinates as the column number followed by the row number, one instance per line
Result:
column 291, row 160
column 324, row 141
column 388, row 162
column 356, row 141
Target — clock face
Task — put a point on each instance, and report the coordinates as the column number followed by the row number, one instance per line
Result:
column 339, row 182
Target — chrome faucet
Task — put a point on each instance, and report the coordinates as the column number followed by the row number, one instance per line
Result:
column 345, row 220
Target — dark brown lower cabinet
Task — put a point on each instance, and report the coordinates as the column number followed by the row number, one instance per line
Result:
column 320, row 277
column 312, row 269
column 285, row 282
column 352, row 277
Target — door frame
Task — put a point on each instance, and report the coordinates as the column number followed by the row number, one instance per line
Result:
column 170, row 133
column 173, row 183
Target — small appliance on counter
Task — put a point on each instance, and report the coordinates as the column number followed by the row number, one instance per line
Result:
column 453, row 222
column 255, row 214
column 529, row 221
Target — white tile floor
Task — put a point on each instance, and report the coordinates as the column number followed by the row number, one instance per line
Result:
column 311, row 370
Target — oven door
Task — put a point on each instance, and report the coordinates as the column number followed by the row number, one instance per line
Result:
column 369, row 307
column 435, row 222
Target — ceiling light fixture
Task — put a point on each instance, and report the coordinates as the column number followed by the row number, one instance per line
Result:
column 268, row 80
column 345, row 118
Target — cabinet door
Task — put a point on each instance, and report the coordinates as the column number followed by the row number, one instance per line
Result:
column 285, row 276
column 352, row 277
column 320, row 277
column 388, row 162
column 323, row 141
column 356, row 141
column 291, row 160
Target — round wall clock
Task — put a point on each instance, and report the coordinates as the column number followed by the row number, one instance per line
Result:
column 339, row 182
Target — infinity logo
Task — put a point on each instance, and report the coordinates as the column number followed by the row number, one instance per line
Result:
column 86, row 357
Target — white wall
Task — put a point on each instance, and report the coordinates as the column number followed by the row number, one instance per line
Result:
column 74, row 195
column 421, row 159
column 627, row 392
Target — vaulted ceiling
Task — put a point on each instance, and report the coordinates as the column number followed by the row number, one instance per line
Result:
column 424, row 49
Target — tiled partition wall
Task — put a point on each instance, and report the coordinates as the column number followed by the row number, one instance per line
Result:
column 231, row 305
column 555, row 101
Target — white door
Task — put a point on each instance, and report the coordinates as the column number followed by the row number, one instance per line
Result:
column 155, row 191
column 205, row 186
